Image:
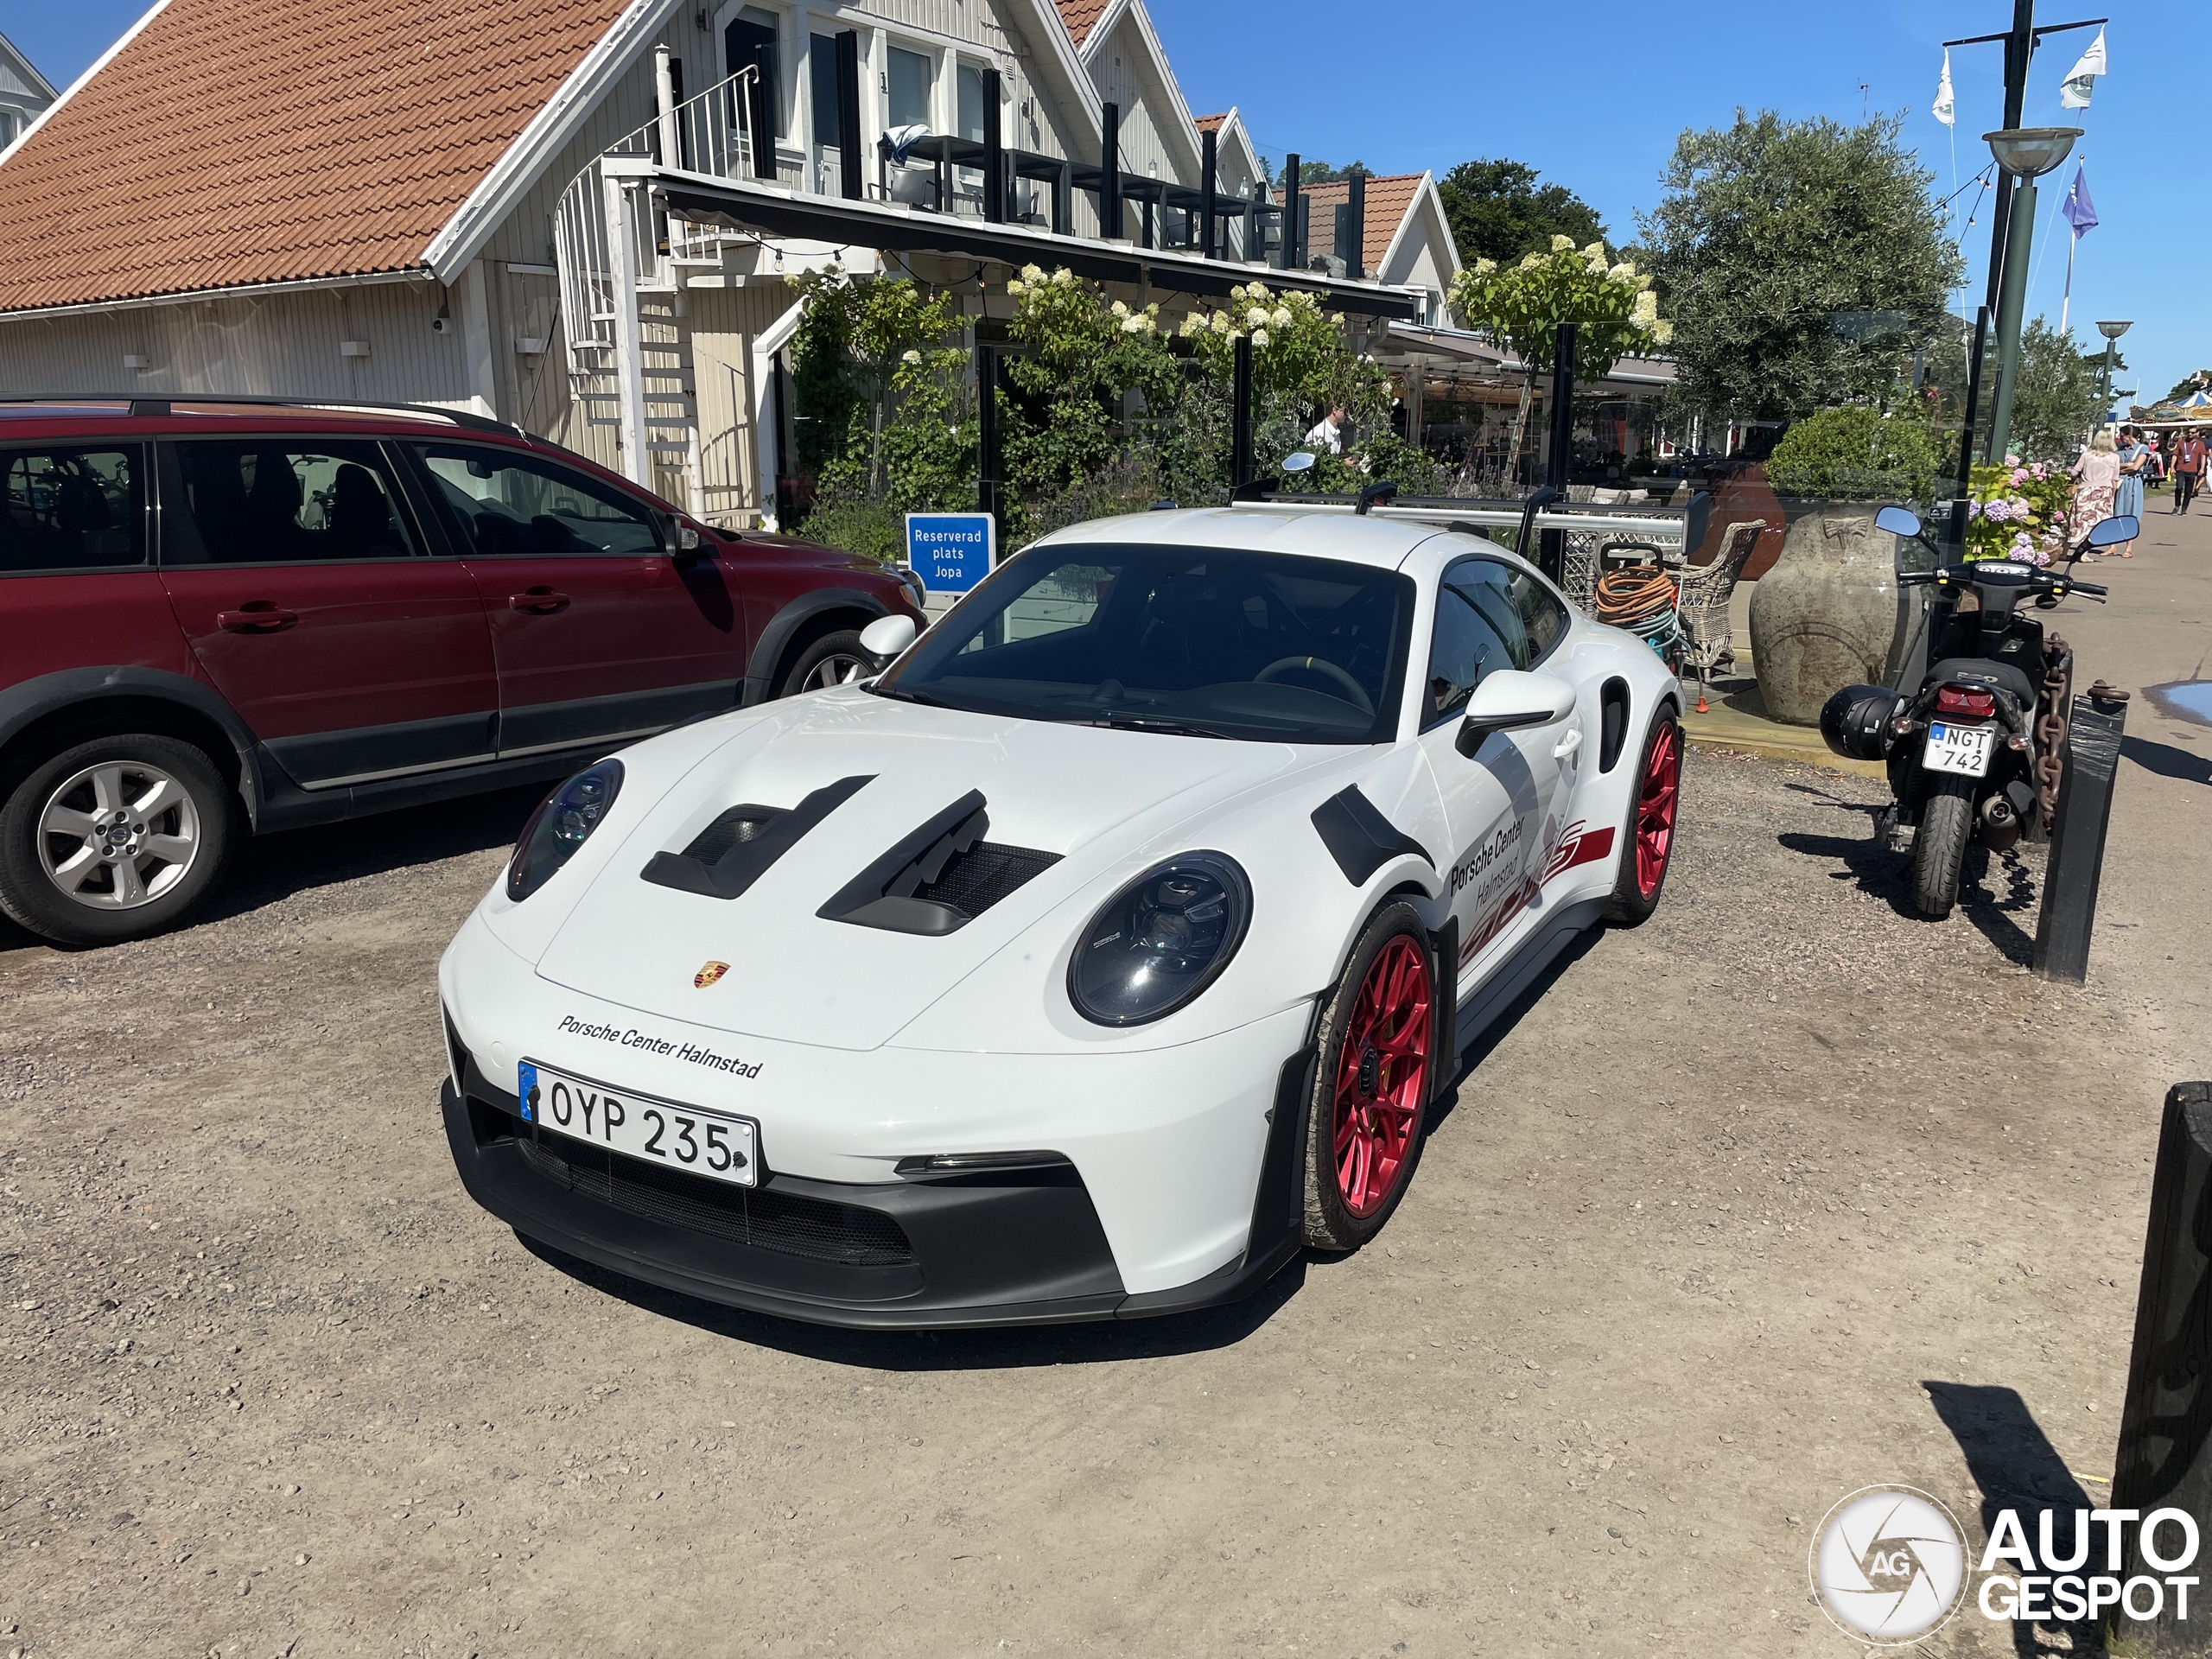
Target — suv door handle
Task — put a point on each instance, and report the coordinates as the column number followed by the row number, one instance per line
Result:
column 256, row 616
column 540, row 602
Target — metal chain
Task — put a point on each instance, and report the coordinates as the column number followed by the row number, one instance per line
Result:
column 2050, row 724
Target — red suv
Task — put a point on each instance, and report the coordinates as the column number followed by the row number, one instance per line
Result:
column 225, row 616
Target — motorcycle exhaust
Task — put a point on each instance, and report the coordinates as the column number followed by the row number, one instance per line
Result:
column 2000, row 825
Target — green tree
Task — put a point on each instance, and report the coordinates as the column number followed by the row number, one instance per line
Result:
column 1524, row 303
column 2057, row 397
column 1804, row 262
column 1497, row 211
column 2189, row 385
column 1317, row 173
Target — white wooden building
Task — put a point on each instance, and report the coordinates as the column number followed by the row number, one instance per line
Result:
column 579, row 215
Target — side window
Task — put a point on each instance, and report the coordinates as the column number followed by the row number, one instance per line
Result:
column 751, row 39
column 284, row 501
column 66, row 508
column 503, row 503
column 1468, row 645
column 908, row 80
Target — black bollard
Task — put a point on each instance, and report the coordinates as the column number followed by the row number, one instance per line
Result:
column 2077, row 841
column 2163, row 1460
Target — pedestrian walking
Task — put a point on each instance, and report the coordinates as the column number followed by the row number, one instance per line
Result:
column 1328, row 433
column 2096, row 478
column 2189, row 468
column 2127, row 498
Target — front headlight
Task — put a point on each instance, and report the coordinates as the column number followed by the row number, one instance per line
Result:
column 915, row 590
column 1160, row 940
column 563, row 823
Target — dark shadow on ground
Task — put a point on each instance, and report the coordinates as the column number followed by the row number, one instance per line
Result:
column 266, row 868
column 2167, row 760
column 1010, row 1347
column 1475, row 1047
column 2016, row 1467
column 1993, row 888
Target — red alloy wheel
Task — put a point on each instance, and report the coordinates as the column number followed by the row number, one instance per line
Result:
column 1381, row 1071
column 1655, row 800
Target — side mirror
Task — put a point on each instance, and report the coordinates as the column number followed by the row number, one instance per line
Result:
column 1508, row 699
column 886, row 637
column 1298, row 461
column 2120, row 527
column 677, row 539
column 1898, row 521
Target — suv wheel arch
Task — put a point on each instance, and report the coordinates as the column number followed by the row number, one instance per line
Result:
column 39, row 716
column 792, row 629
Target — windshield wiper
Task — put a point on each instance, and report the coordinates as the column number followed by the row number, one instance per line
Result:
column 922, row 697
column 1151, row 723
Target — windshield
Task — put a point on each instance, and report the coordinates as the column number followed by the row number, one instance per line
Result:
column 1265, row 646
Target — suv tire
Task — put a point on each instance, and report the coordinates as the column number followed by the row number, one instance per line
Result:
column 83, row 861
column 832, row 659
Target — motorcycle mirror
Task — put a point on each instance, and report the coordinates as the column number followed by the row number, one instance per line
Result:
column 2120, row 527
column 1298, row 461
column 1898, row 521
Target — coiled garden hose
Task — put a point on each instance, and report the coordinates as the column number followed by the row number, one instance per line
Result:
column 1641, row 601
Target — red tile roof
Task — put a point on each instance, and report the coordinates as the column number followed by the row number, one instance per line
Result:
column 256, row 141
column 1081, row 15
column 1210, row 123
column 1388, row 199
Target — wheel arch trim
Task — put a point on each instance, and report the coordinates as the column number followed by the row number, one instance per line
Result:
column 22, row 706
column 784, row 626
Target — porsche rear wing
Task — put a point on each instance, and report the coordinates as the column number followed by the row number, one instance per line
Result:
column 1674, row 532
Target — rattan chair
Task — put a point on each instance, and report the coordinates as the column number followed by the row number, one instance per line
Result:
column 1703, row 602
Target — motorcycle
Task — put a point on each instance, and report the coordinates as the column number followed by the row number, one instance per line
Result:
column 1969, row 757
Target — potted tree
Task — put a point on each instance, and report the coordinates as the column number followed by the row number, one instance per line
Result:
column 1828, row 615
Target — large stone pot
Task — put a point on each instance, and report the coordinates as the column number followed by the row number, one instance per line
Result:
column 1826, row 615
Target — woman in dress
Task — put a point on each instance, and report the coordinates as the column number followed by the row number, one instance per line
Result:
column 2127, row 498
column 2096, row 476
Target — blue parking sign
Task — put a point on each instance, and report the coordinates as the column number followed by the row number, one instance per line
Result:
column 950, row 551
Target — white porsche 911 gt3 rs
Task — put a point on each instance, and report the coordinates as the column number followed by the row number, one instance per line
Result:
column 1103, row 952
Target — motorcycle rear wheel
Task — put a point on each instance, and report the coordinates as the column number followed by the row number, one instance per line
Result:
column 1939, row 850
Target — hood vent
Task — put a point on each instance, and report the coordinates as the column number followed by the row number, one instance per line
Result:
column 737, row 849
column 938, row 879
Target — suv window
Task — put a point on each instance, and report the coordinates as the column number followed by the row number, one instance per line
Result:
column 284, row 501
column 503, row 503
column 72, row 508
column 1488, row 616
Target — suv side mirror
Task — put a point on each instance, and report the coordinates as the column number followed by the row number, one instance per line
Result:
column 677, row 539
column 1508, row 699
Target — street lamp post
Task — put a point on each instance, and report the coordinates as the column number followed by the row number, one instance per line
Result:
column 2026, row 154
column 2112, row 332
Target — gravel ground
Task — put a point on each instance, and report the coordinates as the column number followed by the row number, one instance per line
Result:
column 1781, row 1195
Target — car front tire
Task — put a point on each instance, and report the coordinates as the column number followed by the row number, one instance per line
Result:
column 1647, row 837
column 113, row 838
column 1368, row 1109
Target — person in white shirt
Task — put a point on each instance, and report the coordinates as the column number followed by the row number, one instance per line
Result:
column 1329, row 434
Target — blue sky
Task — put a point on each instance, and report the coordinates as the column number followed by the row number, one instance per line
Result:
column 1594, row 94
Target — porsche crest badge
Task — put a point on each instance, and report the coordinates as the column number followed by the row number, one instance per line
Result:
column 708, row 975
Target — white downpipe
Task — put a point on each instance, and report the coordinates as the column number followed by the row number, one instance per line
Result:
column 671, row 149
column 694, row 462
column 629, row 337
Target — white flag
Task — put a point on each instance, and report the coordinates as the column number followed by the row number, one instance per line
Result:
column 1945, row 108
column 2081, row 80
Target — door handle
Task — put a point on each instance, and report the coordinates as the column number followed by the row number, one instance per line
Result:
column 1569, row 744
column 256, row 616
column 539, row 601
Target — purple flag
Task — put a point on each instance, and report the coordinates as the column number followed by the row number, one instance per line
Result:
column 2080, row 213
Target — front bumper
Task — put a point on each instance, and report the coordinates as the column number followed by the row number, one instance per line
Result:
column 1174, row 1191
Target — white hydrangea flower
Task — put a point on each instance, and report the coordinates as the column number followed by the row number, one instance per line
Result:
column 1259, row 338
column 1118, row 309
column 1256, row 317
column 1530, row 261
column 1561, row 244
column 1484, row 267
column 1662, row 333
column 1016, row 288
column 1221, row 324
column 1596, row 262
column 1281, row 317
column 910, row 357
column 1136, row 324
column 1647, row 307
column 1595, row 251
column 1338, row 318
column 1064, row 277
column 1622, row 272
column 1033, row 273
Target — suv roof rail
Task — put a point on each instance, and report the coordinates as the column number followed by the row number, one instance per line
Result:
column 467, row 419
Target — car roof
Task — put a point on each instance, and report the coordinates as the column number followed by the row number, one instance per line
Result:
column 1270, row 527
column 73, row 416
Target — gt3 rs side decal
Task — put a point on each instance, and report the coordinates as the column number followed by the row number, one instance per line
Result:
column 1578, row 844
